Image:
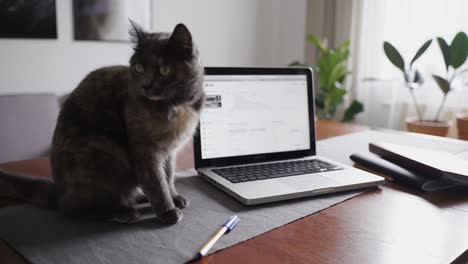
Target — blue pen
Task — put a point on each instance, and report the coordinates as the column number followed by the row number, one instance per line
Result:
column 227, row 227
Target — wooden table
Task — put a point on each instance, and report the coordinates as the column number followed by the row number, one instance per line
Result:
column 392, row 224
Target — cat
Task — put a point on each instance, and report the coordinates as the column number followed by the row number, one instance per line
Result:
column 119, row 131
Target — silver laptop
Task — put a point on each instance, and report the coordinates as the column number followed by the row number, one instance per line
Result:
column 256, row 137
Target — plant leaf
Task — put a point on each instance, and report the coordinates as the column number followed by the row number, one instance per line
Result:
column 320, row 100
column 317, row 42
column 443, row 83
column 421, row 51
column 344, row 46
column 343, row 53
column 327, row 63
column 343, row 50
column 394, row 56
column 458, row 50
column 341, row 80
column 353, row 109
column 334, row 98
column 336, row 74
column 444, row 47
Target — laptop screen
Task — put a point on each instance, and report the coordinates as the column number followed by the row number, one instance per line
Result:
column 254, row 114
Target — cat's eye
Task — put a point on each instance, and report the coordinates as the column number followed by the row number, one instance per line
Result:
column 164, row 70
column 139, row 68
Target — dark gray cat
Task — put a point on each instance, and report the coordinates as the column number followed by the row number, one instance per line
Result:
column 119, row 130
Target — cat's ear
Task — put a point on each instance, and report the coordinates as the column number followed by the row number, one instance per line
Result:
column 181, row 41
column 137, row 34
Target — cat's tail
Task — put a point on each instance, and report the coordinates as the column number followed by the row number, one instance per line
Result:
column 38, row 191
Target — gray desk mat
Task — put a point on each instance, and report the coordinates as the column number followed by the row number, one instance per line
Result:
column 46, row 237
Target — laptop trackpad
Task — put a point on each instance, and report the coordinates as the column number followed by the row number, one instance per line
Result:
column 308, row 182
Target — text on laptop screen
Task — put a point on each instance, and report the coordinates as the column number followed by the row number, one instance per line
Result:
column 254, row 114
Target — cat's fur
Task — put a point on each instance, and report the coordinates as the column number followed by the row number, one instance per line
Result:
column 121, row 128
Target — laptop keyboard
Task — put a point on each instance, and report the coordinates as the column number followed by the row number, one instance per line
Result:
column 275, row 170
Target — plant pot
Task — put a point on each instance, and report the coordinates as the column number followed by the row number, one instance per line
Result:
column 429, row 127
column 462, row 126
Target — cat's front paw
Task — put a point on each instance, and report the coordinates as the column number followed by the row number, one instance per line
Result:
column 172, row 216
column 181, row 202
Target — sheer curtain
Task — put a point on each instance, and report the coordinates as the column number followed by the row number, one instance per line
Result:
column 407, row 25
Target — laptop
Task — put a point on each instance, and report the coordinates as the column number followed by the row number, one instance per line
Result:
column 256, row 137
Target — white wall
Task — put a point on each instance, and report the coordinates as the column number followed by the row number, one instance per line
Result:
column 240, row 32
column 228, row 33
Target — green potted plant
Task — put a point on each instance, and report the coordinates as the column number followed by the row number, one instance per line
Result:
column 331, row 70
column 413, row 80
column 455, row 56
